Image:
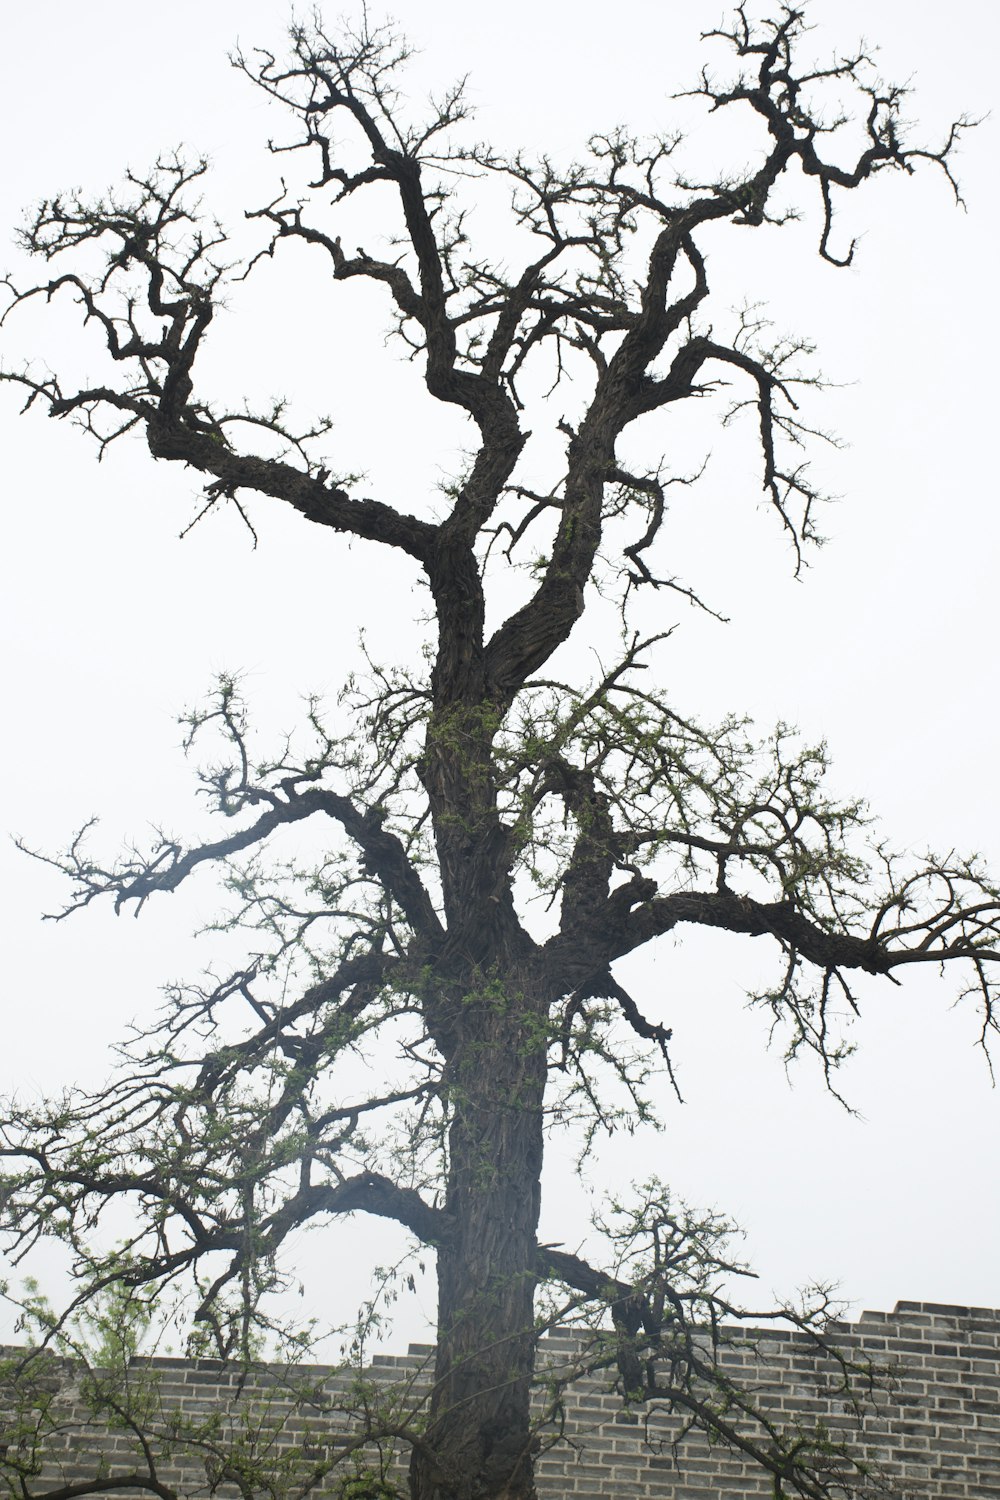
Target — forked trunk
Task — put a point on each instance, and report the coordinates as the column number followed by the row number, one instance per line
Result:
column 480, row 1428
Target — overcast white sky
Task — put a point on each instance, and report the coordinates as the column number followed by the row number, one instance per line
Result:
column 887, row 647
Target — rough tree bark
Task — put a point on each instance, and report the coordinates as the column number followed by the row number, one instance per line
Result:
column 482, row 773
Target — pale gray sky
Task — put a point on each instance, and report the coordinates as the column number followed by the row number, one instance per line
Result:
column 111, row 626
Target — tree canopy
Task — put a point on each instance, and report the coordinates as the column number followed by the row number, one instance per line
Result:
column 438, row 877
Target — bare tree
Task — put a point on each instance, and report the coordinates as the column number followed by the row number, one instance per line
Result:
column 455, row 792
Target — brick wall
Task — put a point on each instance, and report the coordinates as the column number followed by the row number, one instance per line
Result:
column 935, row 1433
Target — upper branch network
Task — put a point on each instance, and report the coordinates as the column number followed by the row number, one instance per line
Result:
column 611, row 287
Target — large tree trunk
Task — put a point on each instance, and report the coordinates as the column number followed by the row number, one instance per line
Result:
column 479, row 1430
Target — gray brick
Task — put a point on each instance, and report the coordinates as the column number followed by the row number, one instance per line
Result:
column 936, row 1431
